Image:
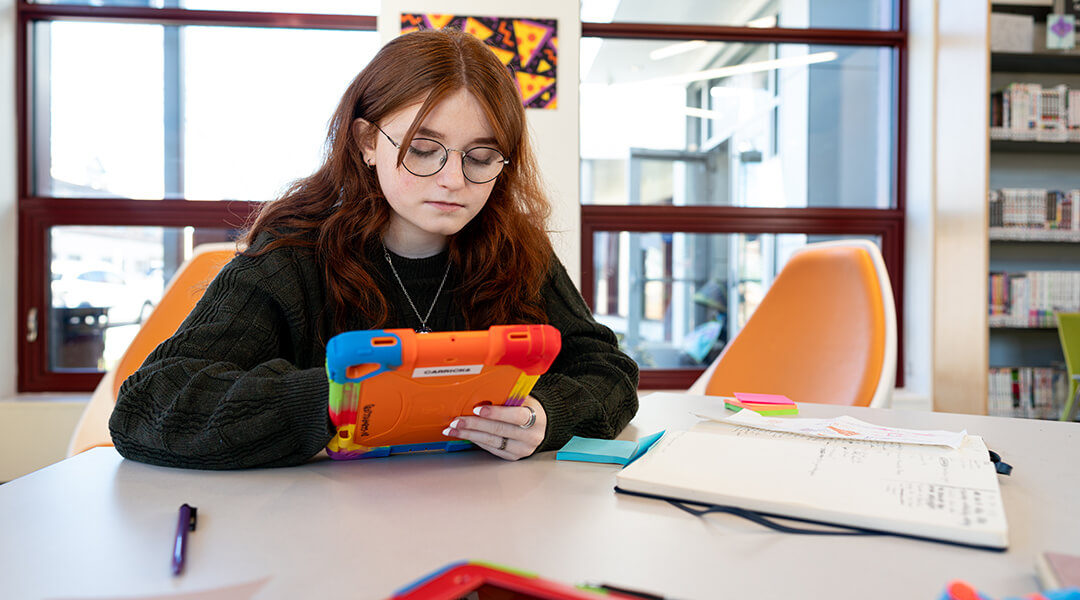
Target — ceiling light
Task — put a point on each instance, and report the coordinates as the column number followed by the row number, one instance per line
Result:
column 676, row 49
column 754, row 67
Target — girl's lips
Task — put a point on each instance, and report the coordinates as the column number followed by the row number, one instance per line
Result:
column 445, row 206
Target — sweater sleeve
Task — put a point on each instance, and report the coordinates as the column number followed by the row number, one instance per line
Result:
column 591, row 388
column 242, row 382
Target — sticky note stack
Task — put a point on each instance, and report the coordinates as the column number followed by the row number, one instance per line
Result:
column 620, row 452
column 769, row 405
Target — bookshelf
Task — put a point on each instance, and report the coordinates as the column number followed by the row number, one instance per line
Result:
column 1035, row 8
column 1034, row 247
column 1006, row 146
column 1009, row 62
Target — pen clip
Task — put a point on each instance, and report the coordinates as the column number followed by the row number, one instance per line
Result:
column 186, row 522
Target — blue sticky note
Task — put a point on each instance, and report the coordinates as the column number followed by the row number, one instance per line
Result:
column 619, row 452
column 644, row 444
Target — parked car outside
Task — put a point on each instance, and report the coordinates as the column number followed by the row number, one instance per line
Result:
column 128, row 297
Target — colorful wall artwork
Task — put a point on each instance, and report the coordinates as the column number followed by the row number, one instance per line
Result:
column 528, row 47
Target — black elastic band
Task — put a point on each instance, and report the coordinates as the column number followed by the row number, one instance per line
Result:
column 765, row 521
column 1002, row 467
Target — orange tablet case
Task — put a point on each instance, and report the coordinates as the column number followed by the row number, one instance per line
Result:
column 394, row 390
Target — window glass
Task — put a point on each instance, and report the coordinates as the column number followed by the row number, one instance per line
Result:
column 99, row 110
column 336, row 7
column 736, row 124
column 150, row 112
column 675, row 299
column 830, row 14
column 104, row 283
column 258, row 103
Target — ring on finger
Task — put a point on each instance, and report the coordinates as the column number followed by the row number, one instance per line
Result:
column 532, row 418
column 502, row 446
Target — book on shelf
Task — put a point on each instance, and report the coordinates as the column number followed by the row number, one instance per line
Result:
column 1027, row 392
column 1024, row 111
column 929, row 492
column 1032, row 210
column 1030, row 298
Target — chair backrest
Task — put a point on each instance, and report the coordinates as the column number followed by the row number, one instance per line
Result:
column 824, row 333
column 1069, row 333
column 180, row 296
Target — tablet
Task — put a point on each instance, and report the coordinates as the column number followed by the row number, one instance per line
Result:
column 394, row 391
column 487, row 581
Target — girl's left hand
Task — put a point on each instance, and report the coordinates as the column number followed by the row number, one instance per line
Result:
column 509, row 432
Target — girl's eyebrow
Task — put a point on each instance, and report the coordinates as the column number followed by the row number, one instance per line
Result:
column 431, row 133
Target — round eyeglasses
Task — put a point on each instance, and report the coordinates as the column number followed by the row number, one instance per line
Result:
column 426, row 157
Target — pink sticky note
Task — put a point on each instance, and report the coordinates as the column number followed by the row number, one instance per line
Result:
column 763, row 398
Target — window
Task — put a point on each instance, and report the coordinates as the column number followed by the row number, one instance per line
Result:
column 716, row 138
column 148, row 127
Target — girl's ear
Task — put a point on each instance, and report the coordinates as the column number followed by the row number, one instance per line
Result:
column 362, row 131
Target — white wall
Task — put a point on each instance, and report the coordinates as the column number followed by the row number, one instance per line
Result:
column 7, row 199
column 33, row 434
column 961, row 249
column 946, row 248
column 554, row 132
column 919, row 241
column 35, row 431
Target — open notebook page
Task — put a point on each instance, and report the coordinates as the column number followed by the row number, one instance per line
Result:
column 927, row 491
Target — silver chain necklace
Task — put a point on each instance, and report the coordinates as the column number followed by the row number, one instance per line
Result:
column 423, row 320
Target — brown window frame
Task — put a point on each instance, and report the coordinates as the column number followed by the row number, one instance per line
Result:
column 37, row 214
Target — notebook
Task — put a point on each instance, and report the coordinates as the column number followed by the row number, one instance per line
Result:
column 929, row 492
column 394, row 391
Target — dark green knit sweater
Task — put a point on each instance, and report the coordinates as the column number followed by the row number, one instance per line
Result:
column 242, row 383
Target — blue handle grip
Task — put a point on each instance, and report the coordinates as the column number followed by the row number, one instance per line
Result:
column 358, row 348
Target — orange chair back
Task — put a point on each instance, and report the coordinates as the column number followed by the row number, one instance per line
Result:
column 184, row 290
column 820, row 334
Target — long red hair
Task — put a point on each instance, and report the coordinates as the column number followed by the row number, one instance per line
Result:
column 503, row 254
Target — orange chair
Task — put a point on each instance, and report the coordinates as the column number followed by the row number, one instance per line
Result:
column 824, row 333
column 184, row 290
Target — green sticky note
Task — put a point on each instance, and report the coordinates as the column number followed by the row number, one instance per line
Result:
column 764, row 410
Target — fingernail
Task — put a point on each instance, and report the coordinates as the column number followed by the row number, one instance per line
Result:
column 476, row 411
column 446, row 432
column 453, row 424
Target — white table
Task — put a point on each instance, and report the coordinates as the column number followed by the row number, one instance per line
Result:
column 98, row 526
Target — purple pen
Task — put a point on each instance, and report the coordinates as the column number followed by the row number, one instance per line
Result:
column 185, row 523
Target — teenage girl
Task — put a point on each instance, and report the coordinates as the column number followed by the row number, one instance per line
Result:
column 427, row 213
